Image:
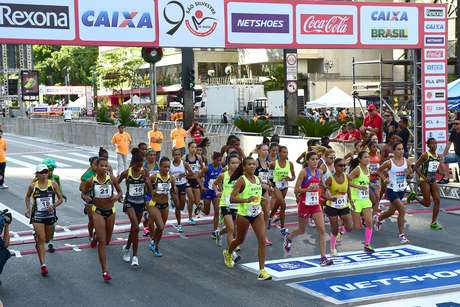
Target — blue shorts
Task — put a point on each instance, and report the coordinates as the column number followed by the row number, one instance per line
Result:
column 373, row 181
column 208, row 194
column 392, row 195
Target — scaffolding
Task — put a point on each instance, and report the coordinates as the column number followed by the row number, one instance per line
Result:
column 386, row 89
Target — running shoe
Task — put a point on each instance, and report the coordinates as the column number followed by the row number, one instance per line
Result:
column 180, row 229
column 214, row 235
column 93, row 242
column 146, row 231
column 135, row 261
column 157, row 252
column 334, row 253
column 228, row 259
column 152, row 246
column 325, row 262
column 276, row 219
column 191, row 221
column 284, row 232
column 339, row 237
column 444, row 181
column 368, row 249
column 238, row 248
column 311, row 223
column 436, row 226
column 403, row 239
column 235, row 257
column 287, row 244
column 3, row 186
column 125, row 254
column 263, row 275
column 106, row 276
column 268, row 242
column 51, row 247
column 411, row 197
column 269, row 225
column 218, row 238
column 44, row 270
column 377, row 223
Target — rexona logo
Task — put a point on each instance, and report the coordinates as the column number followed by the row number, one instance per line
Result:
column 434, row 13
column 15, row 15
column 327, row 24
column 389, row 33
column 117, row 19
column 389, row 16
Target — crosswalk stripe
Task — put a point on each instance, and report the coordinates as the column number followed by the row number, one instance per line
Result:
column 69, row 159
column 21, row 163
column 87, row 157
column 38, row 159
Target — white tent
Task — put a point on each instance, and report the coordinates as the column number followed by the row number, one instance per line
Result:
column 137, row 100
column 335, row 98
column 79, row 103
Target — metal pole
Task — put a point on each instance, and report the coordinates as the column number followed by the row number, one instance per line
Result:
column 153, row 93
column 416, row 114
column 381, row 80
column 355, row 93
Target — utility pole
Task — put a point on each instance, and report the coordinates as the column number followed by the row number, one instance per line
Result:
column 188, row 84
column 290, row 92
column 153, row 93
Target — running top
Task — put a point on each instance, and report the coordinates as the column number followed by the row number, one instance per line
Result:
column 195, row 165
column 397, row 176
column 42, row 200
column 211, row 175
column 178, row 172
column 162, row 186
column 374, row 164
column 430, row 166
column 280, row 173
column 155, row 169
column 102, row 190
column 310, row 198
column 361, row 197
column 135, row 188
column 252, row 209
column 328, row 173
column 262, row 173
column 227, row 188
column 339, row 193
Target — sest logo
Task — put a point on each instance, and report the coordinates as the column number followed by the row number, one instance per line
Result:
column 116, row 19
column 13, row 15
column 327, row 24
column 389, row 16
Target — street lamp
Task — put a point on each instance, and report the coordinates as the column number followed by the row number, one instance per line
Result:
column 328, row 65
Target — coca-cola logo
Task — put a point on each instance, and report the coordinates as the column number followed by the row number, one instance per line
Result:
column 326, row 24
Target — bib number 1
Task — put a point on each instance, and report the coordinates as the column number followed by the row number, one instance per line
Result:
column 311, row 198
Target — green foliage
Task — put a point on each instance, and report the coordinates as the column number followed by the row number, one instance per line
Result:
column 261, row 127
column 103, row 115
column 276, row 81
column 124, row 117
column 53, row 62
column 312, row 128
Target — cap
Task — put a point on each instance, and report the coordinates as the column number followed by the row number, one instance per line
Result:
column 371, row 107
column 50, row 163
column 41, row 167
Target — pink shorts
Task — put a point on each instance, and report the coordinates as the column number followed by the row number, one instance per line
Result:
column 305, row 211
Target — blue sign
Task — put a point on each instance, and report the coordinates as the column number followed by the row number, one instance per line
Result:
column 353, row 288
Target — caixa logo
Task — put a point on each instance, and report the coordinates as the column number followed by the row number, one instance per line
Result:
column 116, row 19
column 389, row 16
column 13, row 15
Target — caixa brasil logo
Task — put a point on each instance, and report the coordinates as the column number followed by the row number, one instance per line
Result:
column 13, row 15
column 197, row 16
column 389, row 16
column 116, row 19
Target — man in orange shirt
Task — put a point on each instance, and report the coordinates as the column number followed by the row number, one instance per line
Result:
column 2, row 161
column 155, row 139
column 178, row 136
column 122, row 141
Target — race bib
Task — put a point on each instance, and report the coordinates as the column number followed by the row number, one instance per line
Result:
column 264, row 176
column 340, row 202
column 312, row 198
column 364, row 194
column 43, row 203
column 281, row 185
column 400, row 184
column 254, row 210
column 103, row 191
column 373, row 167
column 270, row 174
column 195, row 168
column 136, row 189
column 433, row 166
column 153, row 172
column 180, row 179
column 163, row 187
column 211, row 182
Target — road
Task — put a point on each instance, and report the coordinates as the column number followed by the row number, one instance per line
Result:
column 191, row 271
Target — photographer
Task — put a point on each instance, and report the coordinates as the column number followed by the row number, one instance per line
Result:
column 5, row 221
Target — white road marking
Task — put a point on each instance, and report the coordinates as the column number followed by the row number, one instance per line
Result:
column 16, row 215
column 21, row 163
column 27, row 144
column 89, row 156
column 38, row 159
column 70, row 159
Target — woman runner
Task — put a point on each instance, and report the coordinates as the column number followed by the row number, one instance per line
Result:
column 152, row 168
column 178, row 170
column 210, row 174
column 374, row 164
column 263, row 172
column 194, row 184
column 90, row 173
column 101, row 187
column 46, row 198
column 247, row 193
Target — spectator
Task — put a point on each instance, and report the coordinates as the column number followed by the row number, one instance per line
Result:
column 325, row 142
column 342, row 133
column 454, row 138
column 387, row 150
column 342, row 116
column 389, row 125
column 178, row 136
column 275, row 139
column 3, row 147
column 196, row 131
column 67, row 115
column 372, row 122
column 122, row 141
column 353, row 134
column 155, row 140
column 5, row 221
column 224, row 118
column 404, row 134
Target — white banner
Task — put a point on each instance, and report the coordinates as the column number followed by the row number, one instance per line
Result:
column 435, row 67
column 435, row 122
column 435, row 81
column 439, row 135
column 435, row 95
column 435, row 108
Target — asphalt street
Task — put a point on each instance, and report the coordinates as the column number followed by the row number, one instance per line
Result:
column 191, row 271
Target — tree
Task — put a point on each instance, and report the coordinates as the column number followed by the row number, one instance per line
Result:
column 276, row 81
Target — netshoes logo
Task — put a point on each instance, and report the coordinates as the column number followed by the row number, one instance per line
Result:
column 14, row 15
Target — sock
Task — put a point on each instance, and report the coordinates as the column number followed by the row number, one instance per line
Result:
column 367, row 235
column 333, row 241
column 342, row 229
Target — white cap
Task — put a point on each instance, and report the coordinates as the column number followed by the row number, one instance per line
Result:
column 41, row 167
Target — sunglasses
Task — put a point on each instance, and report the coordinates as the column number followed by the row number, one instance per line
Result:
column 341, row 165
column 43, row 172
column 456, row 123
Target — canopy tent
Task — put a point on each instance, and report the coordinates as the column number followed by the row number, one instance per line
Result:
column 335, row 98
column 453, row 94
column 79, row 103
column 137, row 100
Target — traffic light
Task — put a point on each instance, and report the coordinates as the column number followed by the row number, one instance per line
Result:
column 151, row 54
column 13, row 87
column 176, row 97
column 191, row 79
column 198, row 97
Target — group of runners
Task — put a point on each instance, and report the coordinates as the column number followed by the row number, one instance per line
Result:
column 243, row 191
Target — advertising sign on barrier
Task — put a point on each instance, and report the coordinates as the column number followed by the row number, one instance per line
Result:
column 435, row 40
column 435, row 122
column 451, row 299
column 438, row 135
column 435, row 67
column 435, row 108
column 435, row 12
column 435, row 95
column 364, row 287
column 306, row 266
column 250, row 22
column 389, row 25
column 435, row 26
column 119, row 21
column 435, row 54
column 435, row 81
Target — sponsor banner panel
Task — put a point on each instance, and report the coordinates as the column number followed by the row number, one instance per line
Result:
column 121, row 21
column 435, row 81
column 435, row 95
column 389, row 25
column 191, row 23
column 438, row 135
column 250, row 23
column 435, row 122
column 435, row 12
column 435, row 67
column 435, row 54
column 450, row 299
column 365, row 287
column 306, row 266
column 326, row 24
column 435, row 108
column 437, row 26
column 435, row 40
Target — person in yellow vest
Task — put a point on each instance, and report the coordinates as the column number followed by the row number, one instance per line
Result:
column 155, row 140
column 3, row 146
column 178, row 136
column 122, row 141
